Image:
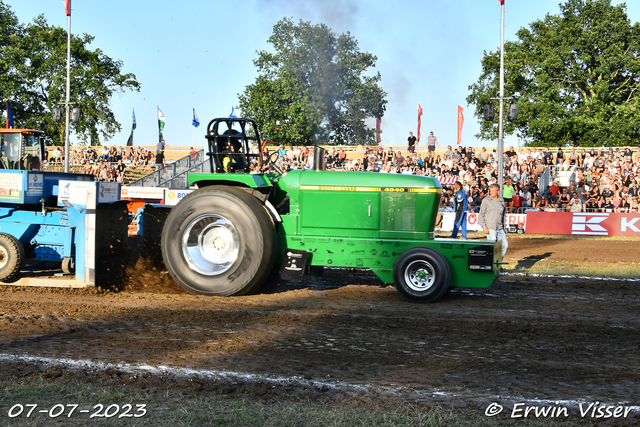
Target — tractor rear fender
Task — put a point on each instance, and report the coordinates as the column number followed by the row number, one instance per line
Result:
column 261, row 193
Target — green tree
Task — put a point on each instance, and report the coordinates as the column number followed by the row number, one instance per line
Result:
column 315, row 85
column 33, row 61
column 575, row 77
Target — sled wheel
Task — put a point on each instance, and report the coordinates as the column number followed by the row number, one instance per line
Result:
column 422, row 275
column 219, row 240
column 11, row 257
column 68, row 265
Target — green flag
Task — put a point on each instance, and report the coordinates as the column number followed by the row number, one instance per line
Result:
column 133, row 126
column 161, row 122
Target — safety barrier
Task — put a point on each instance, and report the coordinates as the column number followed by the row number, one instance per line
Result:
column 567, row 223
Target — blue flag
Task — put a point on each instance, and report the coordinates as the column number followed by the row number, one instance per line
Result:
column 9, row 116
column 233, row 113
column 195, row 120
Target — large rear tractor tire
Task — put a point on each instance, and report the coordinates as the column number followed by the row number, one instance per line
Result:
column 11, row 257
column 422, row 275
column 219, row 241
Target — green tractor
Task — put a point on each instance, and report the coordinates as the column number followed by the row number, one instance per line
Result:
column 226, row 237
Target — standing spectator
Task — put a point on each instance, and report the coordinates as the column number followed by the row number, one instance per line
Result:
column 560, row 158
column 411, row 143
column 516, row 201
column 491, row 217
column 194, row 154
column 547, row 156
column 160, row 162
column 160, row 146
column 399, row 160
column 582, row 192
column 554, row 189
column 507, row 193
column 432, row 141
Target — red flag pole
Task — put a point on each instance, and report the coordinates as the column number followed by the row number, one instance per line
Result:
column 460, row 123
column 419, row 115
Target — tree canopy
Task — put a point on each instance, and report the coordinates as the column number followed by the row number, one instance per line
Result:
column 33, row 61
column 315, row 85
column 575, row 77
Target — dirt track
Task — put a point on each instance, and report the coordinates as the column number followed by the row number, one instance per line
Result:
column 343, row 335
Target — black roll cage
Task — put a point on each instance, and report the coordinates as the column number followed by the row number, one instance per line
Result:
column 219, row 143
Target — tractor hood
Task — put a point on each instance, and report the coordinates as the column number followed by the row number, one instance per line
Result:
column 363, row 204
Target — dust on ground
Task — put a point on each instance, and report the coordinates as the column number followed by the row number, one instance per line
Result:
column 344, row 335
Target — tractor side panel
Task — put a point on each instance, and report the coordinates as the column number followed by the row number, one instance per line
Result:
column 352, row 214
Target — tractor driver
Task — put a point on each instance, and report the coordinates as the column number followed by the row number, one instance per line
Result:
column 232, row 159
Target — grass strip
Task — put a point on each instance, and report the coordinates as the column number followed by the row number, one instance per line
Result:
column 586, row 269
column 170, row 408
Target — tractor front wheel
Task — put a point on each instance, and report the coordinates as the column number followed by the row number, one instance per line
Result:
column 11, row 257
column 422, row 275
column 219, row 240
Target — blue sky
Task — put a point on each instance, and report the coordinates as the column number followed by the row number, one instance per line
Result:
column 198, row 54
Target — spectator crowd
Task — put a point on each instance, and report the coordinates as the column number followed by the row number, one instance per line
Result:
column 602, row 179
column 106, row 164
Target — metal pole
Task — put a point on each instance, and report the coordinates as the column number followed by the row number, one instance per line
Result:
column 500, row 111
column 67, row 113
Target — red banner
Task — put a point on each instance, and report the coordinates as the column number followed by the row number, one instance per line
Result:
column 582, row 223
column 67, row 7
column 419, row 115
column 460, row 123
column 378, row 122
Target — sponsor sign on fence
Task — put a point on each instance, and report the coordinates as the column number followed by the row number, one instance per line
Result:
column 151, row 193
column 172, row 197
column 582, row 223
column 512, row 222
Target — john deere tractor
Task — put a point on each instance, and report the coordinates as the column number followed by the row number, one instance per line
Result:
column 226, row 237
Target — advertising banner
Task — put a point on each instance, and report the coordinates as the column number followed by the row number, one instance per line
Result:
column 153, row 193
column 581, row 223
column 511, row 221
column 172, row 197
